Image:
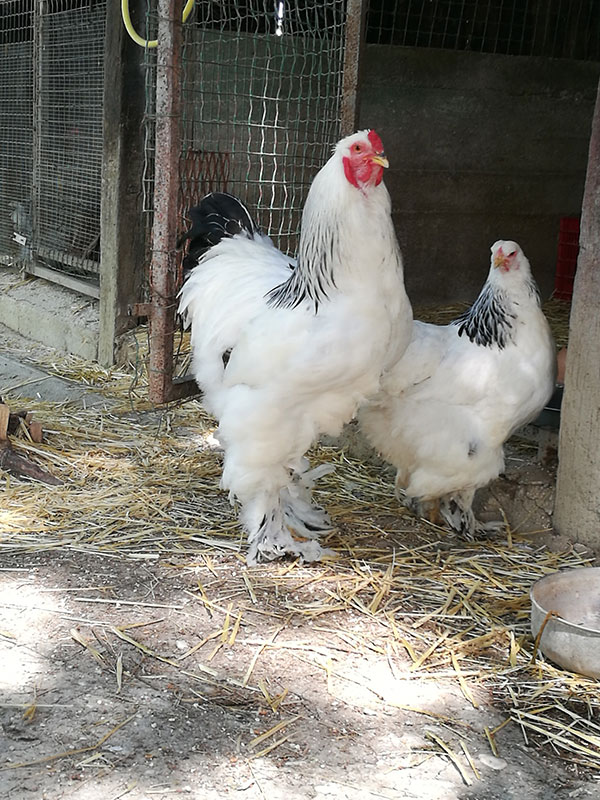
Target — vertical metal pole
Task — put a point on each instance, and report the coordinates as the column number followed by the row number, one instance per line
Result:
column 356, row 12
column 166, row 191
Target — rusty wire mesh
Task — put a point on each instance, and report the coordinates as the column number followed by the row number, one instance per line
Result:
column 552, row 28
column 261, row 100
column 261, row 93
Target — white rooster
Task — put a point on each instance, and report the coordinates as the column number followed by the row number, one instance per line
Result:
column 284, row 351
column 460, row 390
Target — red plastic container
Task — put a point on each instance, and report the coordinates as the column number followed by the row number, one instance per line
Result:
column 566, row 262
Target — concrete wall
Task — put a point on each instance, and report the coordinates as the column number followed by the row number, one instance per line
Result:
column 482, row 147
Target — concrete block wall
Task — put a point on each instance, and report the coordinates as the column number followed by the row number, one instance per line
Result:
column 481, row 147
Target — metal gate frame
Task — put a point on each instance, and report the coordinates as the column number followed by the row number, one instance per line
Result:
column 162, row 388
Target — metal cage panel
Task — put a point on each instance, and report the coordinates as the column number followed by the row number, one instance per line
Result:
column 68, row 148
column 16, row 128
column 246, row 97
column 260, row 97
column 51, row 87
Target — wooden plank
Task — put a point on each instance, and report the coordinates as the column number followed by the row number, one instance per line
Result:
column 64, row 279
column 4, row 417
column 353, row 47
column 122, row 223
column 577, row 506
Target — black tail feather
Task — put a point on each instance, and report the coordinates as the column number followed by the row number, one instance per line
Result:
column 219, row 215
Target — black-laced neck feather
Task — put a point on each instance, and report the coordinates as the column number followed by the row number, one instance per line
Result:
column 312, row 279
column 488, row 322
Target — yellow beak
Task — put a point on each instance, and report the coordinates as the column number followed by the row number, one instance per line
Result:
column 499, row 260
column 381, row 160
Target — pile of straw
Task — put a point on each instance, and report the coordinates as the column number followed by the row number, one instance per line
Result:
column 141, row 483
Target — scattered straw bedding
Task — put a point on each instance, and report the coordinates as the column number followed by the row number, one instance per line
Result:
column 140, row 482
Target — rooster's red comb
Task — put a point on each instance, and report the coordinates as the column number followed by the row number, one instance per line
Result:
column 375, row 140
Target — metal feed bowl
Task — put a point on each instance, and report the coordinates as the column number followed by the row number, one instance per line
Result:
column 571, row 639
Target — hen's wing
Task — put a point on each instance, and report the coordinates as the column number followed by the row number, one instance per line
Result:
column 432, row 420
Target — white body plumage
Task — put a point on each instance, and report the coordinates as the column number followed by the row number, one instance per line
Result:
column 304, row 348
column 460, row 390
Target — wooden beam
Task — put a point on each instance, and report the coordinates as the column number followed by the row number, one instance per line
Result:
column 353, row 46
column 64, row 279
column 122, row 238
column 577, row 506
column 163, row 267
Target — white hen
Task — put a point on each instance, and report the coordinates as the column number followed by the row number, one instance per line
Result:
column 460, row 390
column 283, row 355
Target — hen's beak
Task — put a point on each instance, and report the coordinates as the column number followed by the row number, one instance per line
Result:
column 499, row 259
column 379, row 158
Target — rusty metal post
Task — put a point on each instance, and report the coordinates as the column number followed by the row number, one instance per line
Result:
column 356, row 12
column 163, row 267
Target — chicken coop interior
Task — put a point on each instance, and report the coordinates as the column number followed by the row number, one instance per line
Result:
column 264, row 532
column 484, row 107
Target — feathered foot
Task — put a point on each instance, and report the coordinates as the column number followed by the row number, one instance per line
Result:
column 295, row 525
column 454, row 511
column 274, row 539
column 424, row 509
column 301, row 514
column 457, row 512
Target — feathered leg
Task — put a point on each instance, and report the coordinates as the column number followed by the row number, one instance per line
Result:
column 457, row 512
column 274, row 536
column 286, row 521
column 271, row 483
column 424, row 509
column 303, row 516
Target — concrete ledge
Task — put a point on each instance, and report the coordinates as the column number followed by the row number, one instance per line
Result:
column 50, row 314
column 25, row 380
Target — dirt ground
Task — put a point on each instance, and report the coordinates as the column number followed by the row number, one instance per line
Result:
column 151, row 672
column 113, row 720
column 156, row 677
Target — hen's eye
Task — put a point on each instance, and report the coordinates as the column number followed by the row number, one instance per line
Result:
column 357, row 148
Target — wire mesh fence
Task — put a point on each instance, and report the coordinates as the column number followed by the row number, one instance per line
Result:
column 262, row 86
column 16, row 127
column 51, row 86
column 68, row 153
column 549, row 28
column 262, row 83
column 261, row 90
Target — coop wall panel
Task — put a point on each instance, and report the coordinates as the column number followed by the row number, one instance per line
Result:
column 482, row 147
column 51, row 87
column 68, row 156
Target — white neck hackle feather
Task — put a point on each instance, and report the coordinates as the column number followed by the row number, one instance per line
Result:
column 331, row 210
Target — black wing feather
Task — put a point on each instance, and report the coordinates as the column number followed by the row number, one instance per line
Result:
column 217, row 216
